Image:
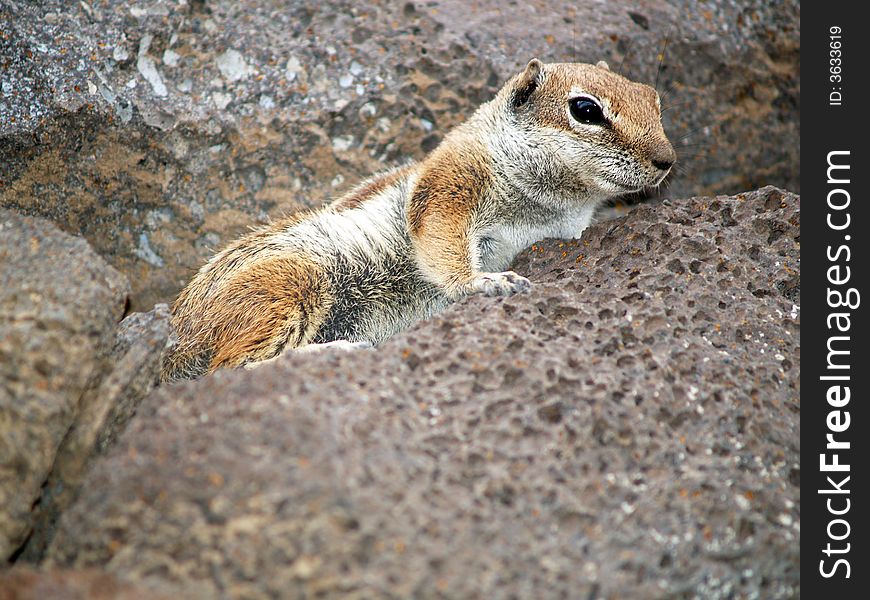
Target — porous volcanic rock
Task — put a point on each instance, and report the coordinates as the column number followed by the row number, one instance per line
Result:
column 629, row 428
column 160, row 130
column 70, row 376
column 59, row 306
column 132, row 370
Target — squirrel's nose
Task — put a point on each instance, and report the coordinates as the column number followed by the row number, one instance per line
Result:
column 664, row 157
column 664, row 165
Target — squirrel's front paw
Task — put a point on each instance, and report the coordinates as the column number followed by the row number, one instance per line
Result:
column 499, row 284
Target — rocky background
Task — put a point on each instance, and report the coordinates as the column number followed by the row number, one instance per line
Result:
column 159, row 130
column 628, row 429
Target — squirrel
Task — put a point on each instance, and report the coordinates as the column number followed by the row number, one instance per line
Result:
column 535, row 161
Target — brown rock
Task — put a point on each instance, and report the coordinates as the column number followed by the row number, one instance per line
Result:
column 629, row 428
column 133, row 370
column 161, row 131
column 70, row 376
column 29, row 584
column 59, row 306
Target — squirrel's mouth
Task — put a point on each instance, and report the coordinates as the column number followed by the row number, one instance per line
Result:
column 621, row 186
column 636, row 186
column 660, row 178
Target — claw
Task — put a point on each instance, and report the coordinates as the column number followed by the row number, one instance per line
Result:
column 500, row 284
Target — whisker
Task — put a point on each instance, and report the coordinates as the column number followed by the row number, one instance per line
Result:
column 677, row 105
column 694, row 146
column 662, row 58
column 669, row 90
column 699, row 128
column 698, row 159
column 624, row 56
column 685, row 149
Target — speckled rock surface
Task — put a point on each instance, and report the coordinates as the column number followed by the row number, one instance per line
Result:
column 133, row 370
column 161, row 129
column 70, row 376
column 628, row 429
column 59, row 306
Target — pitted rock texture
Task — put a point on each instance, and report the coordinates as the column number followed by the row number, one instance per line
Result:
column 59, row 306
column 628, row 429
column 160, row 130
column 133, row 370
column 70, row 375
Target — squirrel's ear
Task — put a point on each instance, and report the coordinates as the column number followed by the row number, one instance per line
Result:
column 602, row 65
column 528, row 82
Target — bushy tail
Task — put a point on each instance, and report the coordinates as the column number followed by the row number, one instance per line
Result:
column 181, row 363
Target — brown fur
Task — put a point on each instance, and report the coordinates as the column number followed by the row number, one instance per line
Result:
column 277, row 302
column 262, row 294
column 241, row 310
column 368, row 189
column 631, row 119
column 450, row 187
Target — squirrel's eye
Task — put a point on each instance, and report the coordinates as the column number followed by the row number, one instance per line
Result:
column 586, row 111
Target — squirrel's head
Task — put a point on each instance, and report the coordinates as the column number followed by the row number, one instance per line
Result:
column 595, row 131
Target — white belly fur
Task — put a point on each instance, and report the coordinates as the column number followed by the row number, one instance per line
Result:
column 510, row 240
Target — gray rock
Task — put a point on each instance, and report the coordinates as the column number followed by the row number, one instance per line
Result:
column 113, row 110
column 133, row 370
column 59, row 306
column 233, row 65
column 629, row 428
column 71, row 377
